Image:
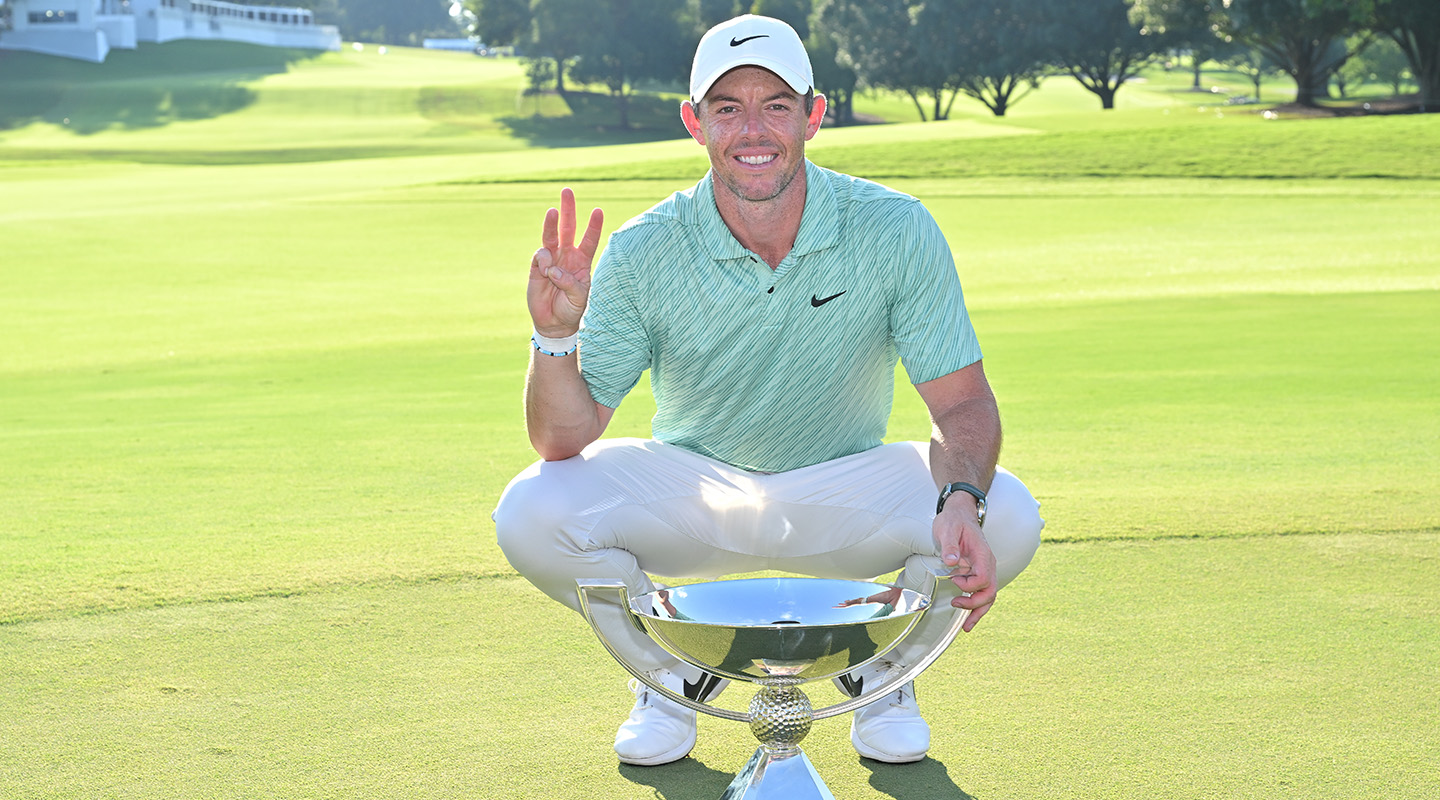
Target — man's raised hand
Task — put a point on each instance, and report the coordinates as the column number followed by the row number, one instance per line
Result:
column 560, row 270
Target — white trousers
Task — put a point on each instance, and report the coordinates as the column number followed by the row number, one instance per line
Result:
column 625, row 509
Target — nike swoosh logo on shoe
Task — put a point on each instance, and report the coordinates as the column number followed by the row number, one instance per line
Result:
column 701, row 689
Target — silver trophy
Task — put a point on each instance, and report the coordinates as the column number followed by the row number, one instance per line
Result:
column 778, row 633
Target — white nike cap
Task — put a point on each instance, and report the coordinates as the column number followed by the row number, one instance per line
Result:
column 750, row 41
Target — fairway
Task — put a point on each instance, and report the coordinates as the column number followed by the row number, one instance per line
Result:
column 260, row 390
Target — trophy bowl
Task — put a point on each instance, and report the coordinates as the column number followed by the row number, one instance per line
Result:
column 762, row 628
column 778, row 633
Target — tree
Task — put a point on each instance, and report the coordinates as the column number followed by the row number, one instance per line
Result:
column 933, row 27
column 1305, row 37
column 796, row 13
column 500, row 22
column 559, row 30
column 627, row 41
column 703, row 15
column 1355, row 71
column 1000, row 50
column 1253, row 64
column 1191, row 25
column 832, row 79
column 1382, row 62
column 1097, row 42
column 1414, row 25
column 882, row 41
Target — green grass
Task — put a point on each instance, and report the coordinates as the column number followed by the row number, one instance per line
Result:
column 259, row 391
column 1150, row 146
column 1248, row 668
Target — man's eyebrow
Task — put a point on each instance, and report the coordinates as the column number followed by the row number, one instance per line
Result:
column 725, row 98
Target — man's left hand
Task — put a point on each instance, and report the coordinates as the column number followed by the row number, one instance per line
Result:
column 972, row 565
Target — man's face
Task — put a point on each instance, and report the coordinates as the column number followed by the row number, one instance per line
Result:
column 754, row 127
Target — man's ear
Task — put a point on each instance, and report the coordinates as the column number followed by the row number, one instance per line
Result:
column 817, row 116
column 692, row 122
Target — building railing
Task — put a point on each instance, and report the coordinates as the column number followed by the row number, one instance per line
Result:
column 218, row 9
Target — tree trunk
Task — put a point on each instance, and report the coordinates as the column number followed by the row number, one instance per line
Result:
column 951, row 104
column 839, row 108
column 915, row 98
column 1423, row 53
column 560, row 76
column 623, row 107
column 1195, row 63
column 1309, row 88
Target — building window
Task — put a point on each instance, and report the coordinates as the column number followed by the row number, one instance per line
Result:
column 52, row 16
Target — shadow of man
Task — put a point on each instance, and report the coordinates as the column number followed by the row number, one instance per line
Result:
column 686, row 779
column 927, row 778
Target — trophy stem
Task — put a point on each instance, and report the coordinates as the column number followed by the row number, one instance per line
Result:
column 776, row 776
column 780, row 716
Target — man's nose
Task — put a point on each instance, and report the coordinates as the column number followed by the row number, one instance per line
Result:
column 753, row 123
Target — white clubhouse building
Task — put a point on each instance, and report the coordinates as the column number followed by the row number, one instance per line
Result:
column 89, row 29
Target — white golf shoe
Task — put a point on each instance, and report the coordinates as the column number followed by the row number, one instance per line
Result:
column 889, row 729
column 659, row 730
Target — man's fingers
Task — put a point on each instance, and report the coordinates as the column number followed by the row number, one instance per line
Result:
column 973, row 618
column 949, row 541
column 975, row 596
column 540, row 262
column 978, row 603
column 591, row 241
column 550, row 233
column 567, row 217
column 976, row 585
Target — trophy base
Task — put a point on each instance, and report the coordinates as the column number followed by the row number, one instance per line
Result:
column 774, row 775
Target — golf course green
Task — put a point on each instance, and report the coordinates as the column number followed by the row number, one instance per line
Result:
column 262, row 338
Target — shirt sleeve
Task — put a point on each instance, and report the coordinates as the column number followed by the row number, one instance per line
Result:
column 928, row 320
column 614, row 348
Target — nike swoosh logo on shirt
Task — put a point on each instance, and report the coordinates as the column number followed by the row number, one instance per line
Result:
column 817, row 302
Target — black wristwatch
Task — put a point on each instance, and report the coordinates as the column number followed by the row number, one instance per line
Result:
column 970, row 489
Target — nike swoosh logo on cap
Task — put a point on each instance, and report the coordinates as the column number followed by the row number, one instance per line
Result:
column 737, row 42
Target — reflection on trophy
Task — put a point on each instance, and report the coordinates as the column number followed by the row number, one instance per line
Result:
column 778, row 633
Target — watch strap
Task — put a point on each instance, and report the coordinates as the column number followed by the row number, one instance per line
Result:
column 961, row 486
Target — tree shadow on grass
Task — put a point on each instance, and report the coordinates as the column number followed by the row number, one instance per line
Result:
column 927, row 778
column 595, row 120
column 686, row 779
column 152, row 86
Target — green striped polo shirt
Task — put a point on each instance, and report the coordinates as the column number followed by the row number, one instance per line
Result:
column 775, row 370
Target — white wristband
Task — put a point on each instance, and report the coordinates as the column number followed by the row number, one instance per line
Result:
column 555, row 347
